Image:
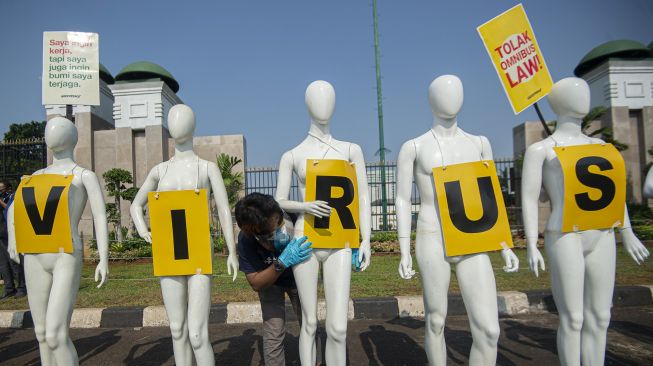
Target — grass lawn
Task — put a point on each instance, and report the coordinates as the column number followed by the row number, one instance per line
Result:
column 132, row 284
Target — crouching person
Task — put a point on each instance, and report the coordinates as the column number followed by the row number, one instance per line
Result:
column 266, row 252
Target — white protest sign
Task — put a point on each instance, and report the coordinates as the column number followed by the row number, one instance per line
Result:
column 71, row 68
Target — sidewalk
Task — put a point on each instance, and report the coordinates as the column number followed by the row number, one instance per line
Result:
column 510, row 303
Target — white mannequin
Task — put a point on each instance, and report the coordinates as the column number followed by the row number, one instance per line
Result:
column 53, row 278
column 583, row 263
column 648, row 184
column 474, row 272
column 320, row 101
column 187, row 299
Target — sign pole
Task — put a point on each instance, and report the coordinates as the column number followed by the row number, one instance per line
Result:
column 69, row 113
column 539, row 114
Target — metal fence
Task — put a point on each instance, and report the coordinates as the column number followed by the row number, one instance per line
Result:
column 264, row 180
column 21, row 157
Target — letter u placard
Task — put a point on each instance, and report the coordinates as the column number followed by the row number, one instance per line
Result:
column 181, row 238
column 333, row 181
column 595, row 187
column 472, row 211
column 41, row 219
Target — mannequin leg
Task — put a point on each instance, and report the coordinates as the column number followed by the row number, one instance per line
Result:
column 39, row 283
column 567, row 268
column 337, row 277
column 599, row 286
column 306, row 279
column 175, row 300
column 479, row 291
column 435, row 272
column 65, row 284
column 199, row 306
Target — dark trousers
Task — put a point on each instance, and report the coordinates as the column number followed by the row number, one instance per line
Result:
column 273, row 307
column 10, row 270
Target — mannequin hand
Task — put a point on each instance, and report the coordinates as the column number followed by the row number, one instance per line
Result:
column 406, row 267
column 101, row 272
column 634, row 247
column 297, row 251
column 147, row 236
column 361, row 257
column 13, row 254
column 511, row 260
column 534, row 260
column 232, row 265
column 317, row 208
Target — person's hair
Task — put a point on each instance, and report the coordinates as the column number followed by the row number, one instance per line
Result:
column 6, row 184
column 254, row 211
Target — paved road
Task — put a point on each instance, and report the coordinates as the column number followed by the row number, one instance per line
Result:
column 525, row 340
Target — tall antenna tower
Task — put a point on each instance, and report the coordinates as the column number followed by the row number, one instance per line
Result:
column 379, row 102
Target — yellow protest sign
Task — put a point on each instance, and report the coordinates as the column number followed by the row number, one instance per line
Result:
column 472, row 211
column 595, row 187
column 518, row 60
column 333, row 181
column 41, row 219
column 181, row 238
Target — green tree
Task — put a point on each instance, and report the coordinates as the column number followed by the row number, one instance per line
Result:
column 114, row 182
column 233, row 181
column 604, row 133
column 27, row 130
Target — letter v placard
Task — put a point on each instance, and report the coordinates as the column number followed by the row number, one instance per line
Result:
column 41, row 220
column 472, row 211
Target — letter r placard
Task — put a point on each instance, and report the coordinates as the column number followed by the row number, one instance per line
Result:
column 472, row 211
column 41, row 220
column 181, row 238
column 333, row 181
column 595, row 187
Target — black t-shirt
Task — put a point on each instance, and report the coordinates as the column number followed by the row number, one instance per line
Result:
column 252, row 257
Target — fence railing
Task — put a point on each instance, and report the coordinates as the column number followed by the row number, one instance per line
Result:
column 21, row 157
column 264, row 180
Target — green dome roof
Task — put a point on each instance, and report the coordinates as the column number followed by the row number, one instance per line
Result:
column 106, row 75
column 624, row 49
column 143, row 70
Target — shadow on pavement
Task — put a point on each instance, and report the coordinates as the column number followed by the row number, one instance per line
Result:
column 15, row 350
column 89, row 347
column 156, row 352
column 388, row 347
column 240, row 349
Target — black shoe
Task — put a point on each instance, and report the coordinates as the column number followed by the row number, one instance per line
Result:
column 21, row 293
column 8, row 295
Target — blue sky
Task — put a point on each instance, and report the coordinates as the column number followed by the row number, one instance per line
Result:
column 243, row 66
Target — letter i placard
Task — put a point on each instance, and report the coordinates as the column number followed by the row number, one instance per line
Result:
column 472, row 211
column 333, row 181
column 595, row 187
column 181, row 237
column 41, row 220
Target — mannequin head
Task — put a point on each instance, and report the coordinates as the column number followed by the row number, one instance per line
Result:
column 320, row 101
column 60, row 134
column 446, row 96
column 181, row 123
column 570, row 97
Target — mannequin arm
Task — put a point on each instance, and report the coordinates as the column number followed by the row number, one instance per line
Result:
column 531, row 185
column 136, row 209
column 284, row 179
column 224, row 213
column 364, row 207
column 98, row 209
column 405, row 163
column 648, row 184
column 633, row 246
column 13, row 254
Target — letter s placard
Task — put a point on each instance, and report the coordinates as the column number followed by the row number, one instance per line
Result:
column 472, row 211
column 41, row 220
column 333, row 181
column 181, row 238
column 595, row 187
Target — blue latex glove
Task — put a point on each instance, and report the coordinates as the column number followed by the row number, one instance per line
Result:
column 281, row 239
column 296, row 252
column 354, row 260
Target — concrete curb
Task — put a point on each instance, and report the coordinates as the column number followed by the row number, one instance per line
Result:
column 384, row 308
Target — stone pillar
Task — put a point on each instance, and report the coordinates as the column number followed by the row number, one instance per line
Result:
column 626, row 130
column 156, row 140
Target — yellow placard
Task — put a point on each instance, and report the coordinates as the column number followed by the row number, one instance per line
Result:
column 41, row 219
column 517, row 58
column 472, row 211
column 333, row 181
column 181, row 237
column 595, row 187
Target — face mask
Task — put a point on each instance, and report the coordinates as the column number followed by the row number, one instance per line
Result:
column 281, row 238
